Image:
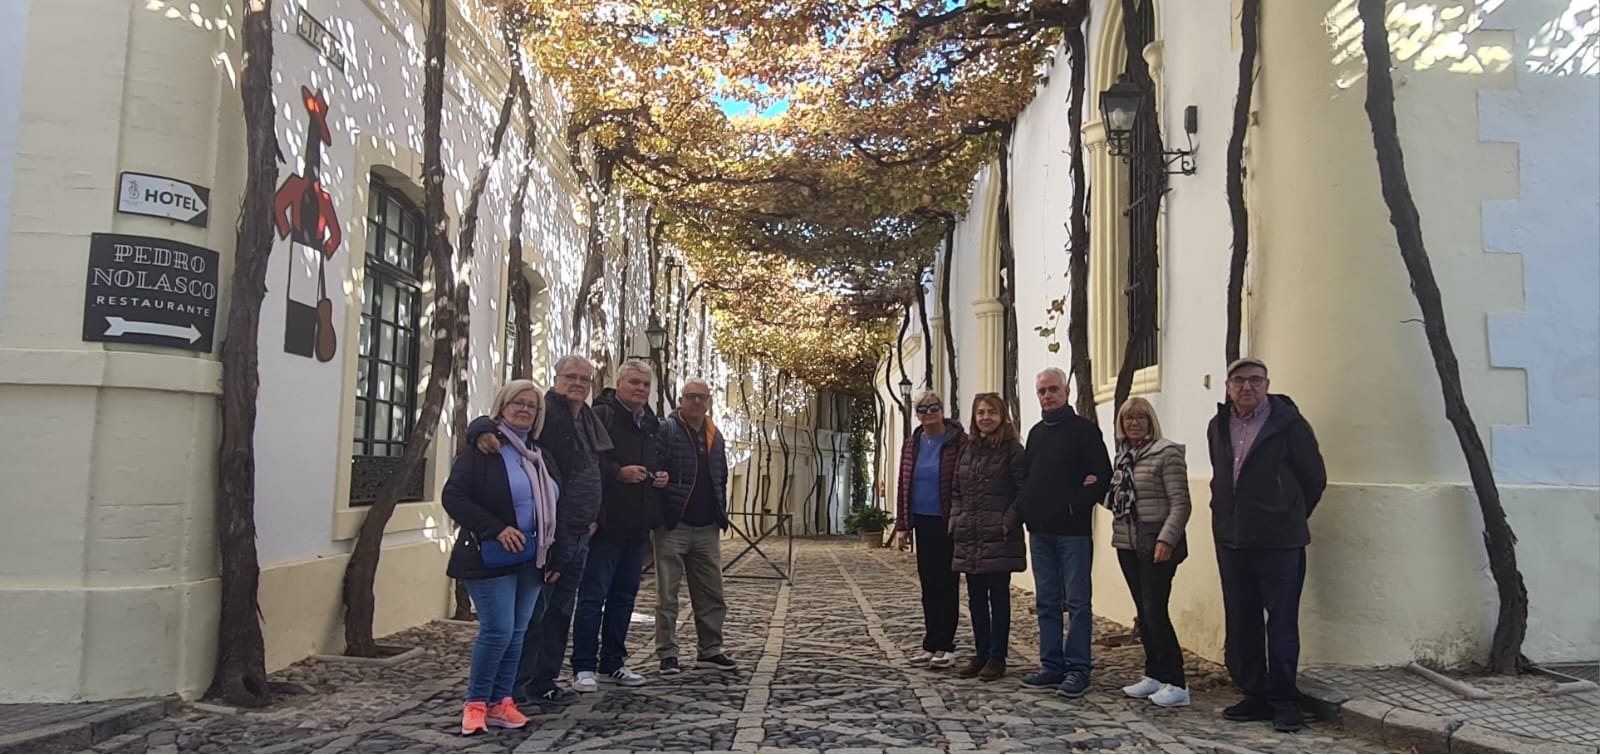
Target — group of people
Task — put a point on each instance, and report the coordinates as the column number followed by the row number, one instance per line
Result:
column 966, row 499
column 558, row 503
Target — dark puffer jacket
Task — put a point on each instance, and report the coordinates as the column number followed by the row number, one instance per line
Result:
column 1279, row 484
column 985, row 517
column 954, row 437
column 677, row 456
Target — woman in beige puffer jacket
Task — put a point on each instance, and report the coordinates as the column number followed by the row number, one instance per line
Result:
column 1149, row 502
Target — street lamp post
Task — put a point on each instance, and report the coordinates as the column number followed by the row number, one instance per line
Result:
column 657, row 336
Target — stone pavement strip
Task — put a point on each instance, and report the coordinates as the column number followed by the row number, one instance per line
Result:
column 822, row 669
column 1402, row 709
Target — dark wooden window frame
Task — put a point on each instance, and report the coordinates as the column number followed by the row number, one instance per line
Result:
column 393, row 269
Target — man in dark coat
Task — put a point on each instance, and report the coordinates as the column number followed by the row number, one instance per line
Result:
column 581, row 447
column 1068, row 473
column 694, row 513
column 1266, row 478
column 629, row 509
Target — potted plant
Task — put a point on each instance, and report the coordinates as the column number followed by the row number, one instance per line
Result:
column 869, row 523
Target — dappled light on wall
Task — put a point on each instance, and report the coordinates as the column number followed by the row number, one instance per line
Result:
column 1449, row 36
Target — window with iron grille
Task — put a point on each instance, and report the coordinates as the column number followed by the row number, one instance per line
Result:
column 1147, row 182
column 386, row 372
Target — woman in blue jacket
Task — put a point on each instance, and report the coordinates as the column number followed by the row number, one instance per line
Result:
column 505, row 504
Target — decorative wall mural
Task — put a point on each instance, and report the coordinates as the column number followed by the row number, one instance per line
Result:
column 303, row 212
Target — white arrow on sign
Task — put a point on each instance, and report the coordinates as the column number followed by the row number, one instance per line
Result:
column 116, row 326
column 161, row 197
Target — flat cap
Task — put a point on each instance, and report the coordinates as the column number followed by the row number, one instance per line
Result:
column 1245, row 362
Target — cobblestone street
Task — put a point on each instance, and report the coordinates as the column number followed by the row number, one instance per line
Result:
column 822, row 668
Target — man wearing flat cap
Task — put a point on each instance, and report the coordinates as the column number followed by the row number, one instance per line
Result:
column 1266, row 478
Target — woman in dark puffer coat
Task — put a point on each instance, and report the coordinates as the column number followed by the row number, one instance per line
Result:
column 986, row 524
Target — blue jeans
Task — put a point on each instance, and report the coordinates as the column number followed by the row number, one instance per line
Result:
column 1061, row 581
column 504, row 605
column 605, row 604
column 552, row 620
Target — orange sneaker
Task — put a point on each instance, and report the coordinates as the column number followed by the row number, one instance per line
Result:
column 506, row 716
column 472, row 718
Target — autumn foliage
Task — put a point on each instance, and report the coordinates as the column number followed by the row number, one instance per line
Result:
column 804, row 154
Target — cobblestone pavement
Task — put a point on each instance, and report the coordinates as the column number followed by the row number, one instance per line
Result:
column 823, row 668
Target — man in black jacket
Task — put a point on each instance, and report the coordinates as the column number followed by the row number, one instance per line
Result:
column 1266, row 478
column 1068, row 473
column 629, row 510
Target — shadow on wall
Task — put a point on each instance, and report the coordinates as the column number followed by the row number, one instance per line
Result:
column 1459, row 37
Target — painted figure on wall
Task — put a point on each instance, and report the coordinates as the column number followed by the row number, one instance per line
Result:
column 303, row 212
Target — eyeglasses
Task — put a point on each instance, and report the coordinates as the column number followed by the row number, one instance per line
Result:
column 696, row 397
column 929, row 409
column 1254, row 381
column 1139, row 417
column 577, row 377
column 532, row 406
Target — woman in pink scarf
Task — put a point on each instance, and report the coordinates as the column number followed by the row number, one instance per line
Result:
column 505, row 504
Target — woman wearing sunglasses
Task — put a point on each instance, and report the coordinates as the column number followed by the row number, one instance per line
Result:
column 986, row 526
column 922, row 511
column 506, row 505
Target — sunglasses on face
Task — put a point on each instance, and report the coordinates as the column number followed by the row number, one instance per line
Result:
column 1255, row 381
column 929, row 408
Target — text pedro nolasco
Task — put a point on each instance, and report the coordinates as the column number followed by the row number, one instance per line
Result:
column 148, row 290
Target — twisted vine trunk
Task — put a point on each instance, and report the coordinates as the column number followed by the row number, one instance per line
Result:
column 362, row 570
column 1078, row 228
column 240, row 677
column 1250, row 43
column 1511, row 625
column 927, row 334
column 949, row 320
column 520, row 291
column 1008, row 282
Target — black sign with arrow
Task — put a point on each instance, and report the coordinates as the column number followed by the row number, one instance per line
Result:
column 150, row 291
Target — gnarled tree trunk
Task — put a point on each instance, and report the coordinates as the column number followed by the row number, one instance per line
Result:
column 927, row 333
column 240, row 677
column 1239, row 212
column 949, row 320
column 362, row 570
column 1008, row 283
column 1511, row 625
column 520, row 291
column 1078, row 228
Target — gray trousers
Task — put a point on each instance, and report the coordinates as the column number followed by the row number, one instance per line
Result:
column 696, row 553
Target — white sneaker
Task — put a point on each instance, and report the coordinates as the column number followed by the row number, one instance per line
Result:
column 624, row 676
column 1142, row 689
column 585, row 682
column 942, row 659
column 921, row 660
column 1170, row 697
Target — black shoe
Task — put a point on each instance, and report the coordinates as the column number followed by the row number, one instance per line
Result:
column 1288, row 719
column 670, row 666
column 554, row 696
column 1249, row 709
column 718, row 661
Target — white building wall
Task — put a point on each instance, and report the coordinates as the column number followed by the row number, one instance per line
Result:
column 1397, row 567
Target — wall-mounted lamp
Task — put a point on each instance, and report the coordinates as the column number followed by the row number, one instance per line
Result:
column 1119, row 107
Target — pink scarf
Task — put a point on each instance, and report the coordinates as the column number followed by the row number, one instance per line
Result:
column 544, row 491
